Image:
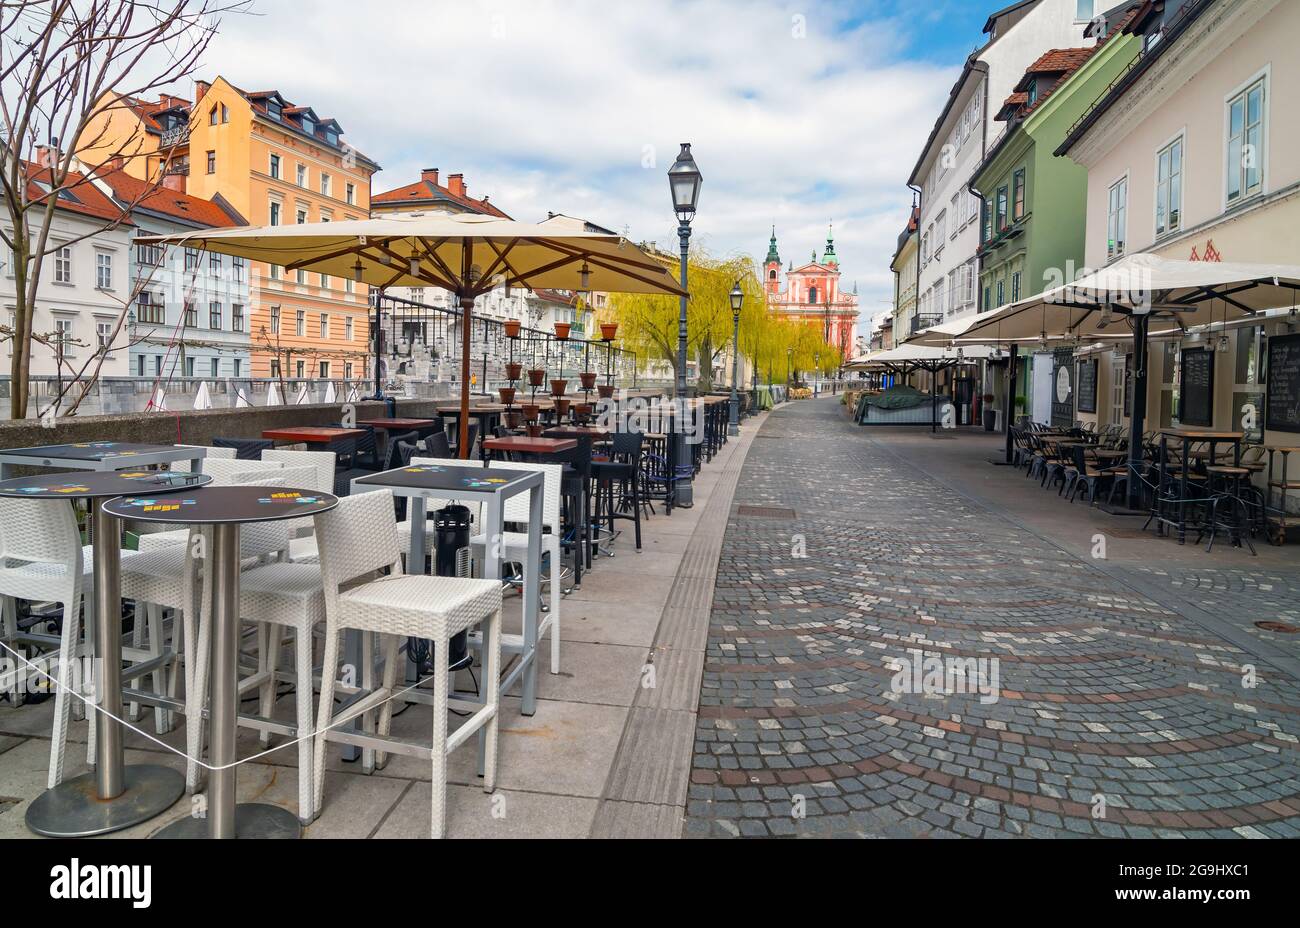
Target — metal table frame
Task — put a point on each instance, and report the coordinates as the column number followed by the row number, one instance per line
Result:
column 493, row 526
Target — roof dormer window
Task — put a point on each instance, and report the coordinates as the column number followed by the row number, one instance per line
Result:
column 1031, row 93
column 308, row 125
column 273, row 109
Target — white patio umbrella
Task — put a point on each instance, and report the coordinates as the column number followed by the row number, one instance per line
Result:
column 467, row 254
column 202, row 400
column 330, row 395
column 303, row 397
column 273, row 395
column 354, row 395
column 241, row 399
column 158, row 402
column 1138, row 297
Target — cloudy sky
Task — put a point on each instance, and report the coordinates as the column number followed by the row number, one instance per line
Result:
column 798, row 113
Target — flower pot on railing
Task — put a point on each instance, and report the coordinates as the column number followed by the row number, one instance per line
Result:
column 608, row 330
column 534, row 431
column 536, row 377
column 514, row 419
column 606, row 391
column 531, row 412
column 557, row 387
column 512, row 328
column 507, row 395
column 561, row 409
column 588, row 380
column 513, row 370
column 562, row 331
column 582, row 411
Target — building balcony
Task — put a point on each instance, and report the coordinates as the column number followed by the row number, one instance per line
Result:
column 925, row 321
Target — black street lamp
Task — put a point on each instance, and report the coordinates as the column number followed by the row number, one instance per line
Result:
column 737, row 300
column 684, row 180
column 817, row 366
column 789, row 359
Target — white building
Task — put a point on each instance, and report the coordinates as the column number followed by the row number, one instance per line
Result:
column 947, row 268
column 85, row 285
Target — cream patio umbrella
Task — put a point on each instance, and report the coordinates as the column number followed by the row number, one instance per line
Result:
column 1138, row 297
column 466, row 254
column 910, row 357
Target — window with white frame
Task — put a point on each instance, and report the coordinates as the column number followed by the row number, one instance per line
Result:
column 63, row 265
column 302, row 175
column 941, row 228
column 300, row 323
column 347, row 369
column 1246, row 143
column 953, row 288
column 103, row 270
column 236, row 317
column 275, row 320
column 325, row 184
column 1116, row 218
column 104, row 334
column 275, row 165
column 347, row 328
column 938, row 299
column 1083, row 10
column 968, row 290
column 300, row 369
column 63, row 344
column 324, row 325
column 1169, row 188
column 956, row 214
column 274, row 213
column 214, row 367
column 324, row 370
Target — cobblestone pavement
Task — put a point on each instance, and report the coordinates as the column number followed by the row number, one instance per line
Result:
column 1105, row 714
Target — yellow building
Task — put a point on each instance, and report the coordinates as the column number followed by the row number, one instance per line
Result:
column 276, row 163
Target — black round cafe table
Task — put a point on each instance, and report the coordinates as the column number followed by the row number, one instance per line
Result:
column 113, row 796
column 226, row 509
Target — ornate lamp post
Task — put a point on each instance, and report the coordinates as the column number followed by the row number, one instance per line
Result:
column 684, row 180
column 737, row 300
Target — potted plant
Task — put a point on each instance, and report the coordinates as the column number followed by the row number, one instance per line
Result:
column 507, row 395
column 990, row 414
column 536, row 377
column 514, row 419
column 606, row 390
column 588, row 380
column 531, row 412
column 513, row 370
column 608, row 330
column 562, row 331
column 561, row 409
column 512, row 328
column 558, row 387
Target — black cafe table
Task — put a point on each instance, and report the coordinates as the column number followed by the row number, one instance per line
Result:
column 113, row 796
column 96, row 455
column 226, row 509
column 473, row 482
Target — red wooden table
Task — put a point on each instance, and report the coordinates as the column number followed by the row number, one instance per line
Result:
column 523, row 444
column 395, row 425
column 311, row 435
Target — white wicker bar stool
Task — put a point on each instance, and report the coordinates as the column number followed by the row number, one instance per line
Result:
column 514, row 545
column 358, row 540
column 42, row 560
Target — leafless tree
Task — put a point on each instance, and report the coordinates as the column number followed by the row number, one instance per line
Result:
column 62, row 64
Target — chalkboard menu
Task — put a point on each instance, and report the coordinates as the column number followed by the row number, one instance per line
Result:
column 1063, row 388
column 1283, row 388
column 1087, row 388
column 1196, row 390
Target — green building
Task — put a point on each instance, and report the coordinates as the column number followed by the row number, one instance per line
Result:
column 1034, row 204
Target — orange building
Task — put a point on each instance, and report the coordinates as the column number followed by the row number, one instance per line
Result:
column 812, row 294
column 275, row 163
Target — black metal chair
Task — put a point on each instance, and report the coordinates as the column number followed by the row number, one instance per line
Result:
column 246, row 449
column 437, row 445
column 623, row 468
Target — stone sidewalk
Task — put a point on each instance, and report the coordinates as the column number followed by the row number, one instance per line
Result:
column 577, row 767
column 1115, row 707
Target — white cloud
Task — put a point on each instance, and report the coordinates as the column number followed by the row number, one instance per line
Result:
column 548, row 105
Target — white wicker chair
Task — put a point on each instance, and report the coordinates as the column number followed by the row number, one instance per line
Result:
column 42, row 560
column 357, row 541
column 514, row 545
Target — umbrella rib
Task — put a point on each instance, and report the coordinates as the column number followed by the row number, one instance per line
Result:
column 572, row 249
column 547, row 267
column 644, row 280
column 504, row 260
column 431, row 252
column 330, row 256
column 501, row 257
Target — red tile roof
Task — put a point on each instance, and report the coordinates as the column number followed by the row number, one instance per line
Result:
column 77, row 195
column 426, row 191
column 131, row 191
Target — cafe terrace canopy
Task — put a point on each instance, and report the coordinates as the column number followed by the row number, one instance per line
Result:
column 1138, row 297
column 466, row 254
column 907, row 358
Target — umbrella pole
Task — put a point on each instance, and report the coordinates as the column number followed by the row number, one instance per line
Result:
column 1011, row 395
column 1137, row 423
column 466, row 308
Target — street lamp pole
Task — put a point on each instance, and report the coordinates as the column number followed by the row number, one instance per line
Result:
column 789, row 359
column 684, row 180
column 737, row 300
column 817, row 369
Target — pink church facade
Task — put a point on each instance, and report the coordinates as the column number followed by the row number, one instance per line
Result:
column 811, row 294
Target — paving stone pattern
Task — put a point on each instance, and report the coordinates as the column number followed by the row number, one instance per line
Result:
column 1115, row 716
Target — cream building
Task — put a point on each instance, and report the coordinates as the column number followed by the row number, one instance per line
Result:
column 1192, row 155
